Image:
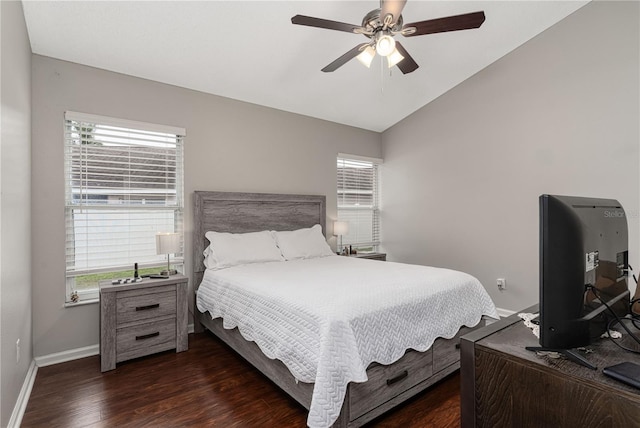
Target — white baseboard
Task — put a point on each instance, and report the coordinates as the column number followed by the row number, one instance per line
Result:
column 504, row 312
column 70, row 355
column 75, row 354
column 23, row 397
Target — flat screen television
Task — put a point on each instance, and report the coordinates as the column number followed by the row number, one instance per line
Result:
column 583, row 244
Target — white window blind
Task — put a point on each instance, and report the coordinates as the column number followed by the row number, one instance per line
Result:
column 124, row 183
column 358, row 194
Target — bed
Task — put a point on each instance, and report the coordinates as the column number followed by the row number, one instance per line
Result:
column 335, row 368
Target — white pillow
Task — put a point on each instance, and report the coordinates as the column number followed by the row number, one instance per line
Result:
column 303, row 243
column 232, row 249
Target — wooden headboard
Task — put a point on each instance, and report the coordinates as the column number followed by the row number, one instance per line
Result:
column 250, row 212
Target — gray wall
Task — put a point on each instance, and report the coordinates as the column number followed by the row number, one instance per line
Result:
column 559, row 115
column 230, row 146
column 15, row 210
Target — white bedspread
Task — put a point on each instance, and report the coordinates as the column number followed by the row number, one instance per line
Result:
column 328, row 318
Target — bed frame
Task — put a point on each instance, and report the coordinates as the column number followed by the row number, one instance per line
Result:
column 387, row 386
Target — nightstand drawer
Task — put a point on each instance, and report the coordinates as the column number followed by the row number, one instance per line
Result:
column 145, row 306
column 145, row 339
column 142, row 318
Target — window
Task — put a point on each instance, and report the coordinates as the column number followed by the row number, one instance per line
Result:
column 123, row 184
column 358, row 195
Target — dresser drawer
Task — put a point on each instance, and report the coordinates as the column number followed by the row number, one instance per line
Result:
column 132, row 308
column 145, row 339
column 386, row 382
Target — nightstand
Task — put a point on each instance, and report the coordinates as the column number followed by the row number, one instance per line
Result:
column 142, row 318
column 372, row 256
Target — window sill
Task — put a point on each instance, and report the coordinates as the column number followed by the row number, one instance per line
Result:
column 81, row 303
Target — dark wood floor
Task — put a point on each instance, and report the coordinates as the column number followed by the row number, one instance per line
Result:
column 209, row 385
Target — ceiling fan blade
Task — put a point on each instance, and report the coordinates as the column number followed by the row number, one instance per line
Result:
column 407, row 65
column 345, row 58
column 392, row 7
column 441, row 25
column 324, row 23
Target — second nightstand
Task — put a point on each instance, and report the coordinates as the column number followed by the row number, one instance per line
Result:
column 372, row 256
column 142, row 318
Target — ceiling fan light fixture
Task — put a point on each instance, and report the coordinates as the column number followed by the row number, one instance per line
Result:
column 366, row 56
column 381, row 25
column 394, row 57
column 384, row 43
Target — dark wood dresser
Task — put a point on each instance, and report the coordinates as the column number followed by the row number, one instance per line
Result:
column 504, row 385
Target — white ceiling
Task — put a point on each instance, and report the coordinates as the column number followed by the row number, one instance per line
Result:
column 250, row 51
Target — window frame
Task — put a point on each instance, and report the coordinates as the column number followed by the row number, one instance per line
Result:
column 159, row 143
column 373, row 208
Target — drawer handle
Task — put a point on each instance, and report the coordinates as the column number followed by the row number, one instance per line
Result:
column 397, row 378
column 148, row 336
column 457, row 346
column 145, row 308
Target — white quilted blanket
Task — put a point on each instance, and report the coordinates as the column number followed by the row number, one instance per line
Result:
column 328, row 318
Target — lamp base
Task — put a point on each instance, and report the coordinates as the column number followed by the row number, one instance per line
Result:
column 169, row 272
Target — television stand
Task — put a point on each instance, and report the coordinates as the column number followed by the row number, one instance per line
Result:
column 504, row 385
column 569, row 353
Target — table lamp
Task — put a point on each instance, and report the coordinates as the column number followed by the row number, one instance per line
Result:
column 168, row 243
column 340, row 228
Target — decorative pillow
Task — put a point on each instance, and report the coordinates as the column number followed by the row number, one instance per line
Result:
column 232, row 249
column 303, row 243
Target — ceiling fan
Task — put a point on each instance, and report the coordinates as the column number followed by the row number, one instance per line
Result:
column 380, row 25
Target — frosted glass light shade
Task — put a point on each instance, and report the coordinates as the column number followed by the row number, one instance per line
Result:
column 394, row 57
column 340, row 228
column 385, row 44
column 366, row 56
column 167, row 243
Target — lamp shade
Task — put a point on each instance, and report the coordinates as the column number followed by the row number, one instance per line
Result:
column 167, row 243
column 340, row 228
column 366, row 56
column 385, row 44
column 394, row 57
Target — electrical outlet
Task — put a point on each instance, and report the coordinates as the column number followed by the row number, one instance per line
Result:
column 502, row 284
column 17, row 351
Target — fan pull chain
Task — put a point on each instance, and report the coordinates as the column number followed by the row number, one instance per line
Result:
column 381, row 76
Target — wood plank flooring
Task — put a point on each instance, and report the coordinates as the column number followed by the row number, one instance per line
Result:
column 209, row 385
